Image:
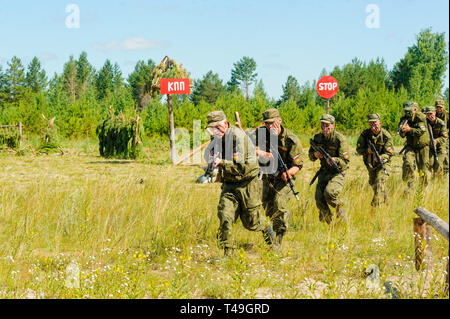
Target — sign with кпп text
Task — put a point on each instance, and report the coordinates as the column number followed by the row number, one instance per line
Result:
column 174, row 86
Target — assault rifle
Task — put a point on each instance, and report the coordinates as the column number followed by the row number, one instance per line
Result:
column 377, row 155
column 327, row 156
column 283, row 168
column 433, row 145
column 214, row 153
column 400, row 126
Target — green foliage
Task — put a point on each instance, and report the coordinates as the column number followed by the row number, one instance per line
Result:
column 291, row 90
column 9, row 137
column 421, row 71
column 244, row 73
column 209, row 88
column 119, row 137
column 80, row 96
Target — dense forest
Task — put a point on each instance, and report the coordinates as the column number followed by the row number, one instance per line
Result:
column 79, row 97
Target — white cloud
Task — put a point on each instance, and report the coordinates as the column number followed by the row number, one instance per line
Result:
column 132, row 44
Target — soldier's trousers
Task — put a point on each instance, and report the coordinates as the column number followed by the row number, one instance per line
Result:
column 421, row 157
column 377, row 180
column 329, row 187
column 437, row 167
column 240, row 199
column 275, row 199
column 445, row 164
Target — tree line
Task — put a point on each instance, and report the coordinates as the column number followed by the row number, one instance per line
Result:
column 81, row 96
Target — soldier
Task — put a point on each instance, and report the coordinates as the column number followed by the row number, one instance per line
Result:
column 275, row 190
column 241, row 189
column 443, row 115
column 440, row 136
column 330, row 182
column 413, row 127
column 382, row 141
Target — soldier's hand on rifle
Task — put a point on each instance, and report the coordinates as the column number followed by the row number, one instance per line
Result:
column 318, row 155
column 290, row 172
column 268, row 156
column 331, row 159
column 435, row 142
column 369, row 150
column 217, row 162
column 406, row 128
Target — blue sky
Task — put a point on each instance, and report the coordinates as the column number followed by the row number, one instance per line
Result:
column 298, row 38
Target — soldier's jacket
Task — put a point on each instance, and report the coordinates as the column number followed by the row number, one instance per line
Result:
column 444, row 117
column 239, row 162
column 383, row 145
column 336, row 146
column 418, row 136
column 289, row 146
column 440, row 133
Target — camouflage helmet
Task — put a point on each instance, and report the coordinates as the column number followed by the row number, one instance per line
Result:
column 270, row 115
column 429, row 109
column 439, row 103
column 408, row 106
column 373, row 117
column 327, row 118
column 215, row 117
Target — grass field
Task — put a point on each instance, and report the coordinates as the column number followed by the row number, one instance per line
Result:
column 144, row 229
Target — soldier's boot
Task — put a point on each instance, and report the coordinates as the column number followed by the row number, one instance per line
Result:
column 325, row 216
column 269, row 237
column 279, row 238
column 340, row 213
column 227, row 251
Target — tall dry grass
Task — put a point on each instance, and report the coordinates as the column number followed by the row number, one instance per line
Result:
column 144, row 229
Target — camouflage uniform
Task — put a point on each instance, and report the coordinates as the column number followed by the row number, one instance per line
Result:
column 440, row 135
column 417, row 147
column 330, row 182
column 383, row 145
column 241, row 189
column 275, row 192
column 444, row 116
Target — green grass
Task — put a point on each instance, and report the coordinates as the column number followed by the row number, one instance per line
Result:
column 144, row 229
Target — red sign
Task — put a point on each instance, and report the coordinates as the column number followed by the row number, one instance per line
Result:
column 327, row 87
column 174, row 86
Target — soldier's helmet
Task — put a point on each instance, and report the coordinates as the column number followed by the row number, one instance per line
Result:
column 429, row 109
column 327, row 118
column 439, row 103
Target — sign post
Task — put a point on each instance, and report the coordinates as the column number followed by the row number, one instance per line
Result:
column 327, row 87
column 173, row 86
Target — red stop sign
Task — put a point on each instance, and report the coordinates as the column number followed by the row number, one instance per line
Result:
column 327, row 87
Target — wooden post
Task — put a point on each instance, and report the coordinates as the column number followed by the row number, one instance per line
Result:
column 172, row 128
column 446, row 281
column 20, row 134
column 198, row 148
column 422, row 243
column 136, row 131
column 328, row 106
column 434, row 220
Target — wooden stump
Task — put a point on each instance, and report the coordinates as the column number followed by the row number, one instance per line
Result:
column 422, row 244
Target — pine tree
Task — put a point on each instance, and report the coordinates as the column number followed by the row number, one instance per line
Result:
column 104, row 81
column 69, row 78
column 84, row 74
column 291, row 90
column 140, row 81
column 36, row 78
column 14, row 80
column 244, row 73
column 208, row 89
